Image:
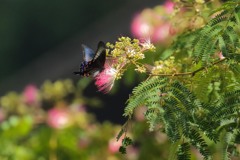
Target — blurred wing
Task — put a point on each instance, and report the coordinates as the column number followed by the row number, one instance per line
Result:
column 88, row 53
column 93, row 61
column 100, row 56
column 101, row 51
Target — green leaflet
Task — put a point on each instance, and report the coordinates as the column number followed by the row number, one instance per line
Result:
column 194, row 111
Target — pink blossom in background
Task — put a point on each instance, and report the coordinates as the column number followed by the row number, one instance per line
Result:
column 169, row 6
column 2, row 115
column 114, row 145
column 161, row 138
column 140, row 27
column 58, row 118
column 105, row 80
column 139, row 113
column 173, row 30
column 220, row 55
column 161, row 33
column 30, row 94
column 154, row 24
column 132, row 153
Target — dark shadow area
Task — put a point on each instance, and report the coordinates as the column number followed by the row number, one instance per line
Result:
column 41, row 40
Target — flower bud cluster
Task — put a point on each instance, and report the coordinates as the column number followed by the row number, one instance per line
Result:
column 122, row 53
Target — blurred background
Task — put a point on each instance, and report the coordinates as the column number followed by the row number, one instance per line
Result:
column 41, row 40
column 46, row 112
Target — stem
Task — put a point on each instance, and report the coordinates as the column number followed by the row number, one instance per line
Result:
column 189, row 73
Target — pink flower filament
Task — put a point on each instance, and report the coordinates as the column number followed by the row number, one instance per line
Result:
column 105, row 79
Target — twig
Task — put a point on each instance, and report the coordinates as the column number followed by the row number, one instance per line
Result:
column 189, row 73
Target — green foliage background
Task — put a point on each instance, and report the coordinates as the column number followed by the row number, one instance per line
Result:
column 198, row 105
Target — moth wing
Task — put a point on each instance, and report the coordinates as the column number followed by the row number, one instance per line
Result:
column 98, row 64
column 101, row 51
column 94, row 61
column 88, row 53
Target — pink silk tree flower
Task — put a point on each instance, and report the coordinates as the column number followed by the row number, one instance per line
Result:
column 58, row 118
column 169, row 6
column 2, row 115
column 141, row 27
column 154, row 23
column 105, row 79
column 30, row 94
column 161, row 33
column 220, row 55
column 114, row 145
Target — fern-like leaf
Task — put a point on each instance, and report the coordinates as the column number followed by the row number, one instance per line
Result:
column 184, row 152
column 154, row 86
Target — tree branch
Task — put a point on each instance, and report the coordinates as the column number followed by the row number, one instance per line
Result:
column 189, row 73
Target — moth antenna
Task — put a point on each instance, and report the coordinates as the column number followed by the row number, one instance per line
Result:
column 76, row 73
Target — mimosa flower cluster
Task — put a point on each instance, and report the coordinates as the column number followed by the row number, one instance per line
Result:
column 124, row 52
